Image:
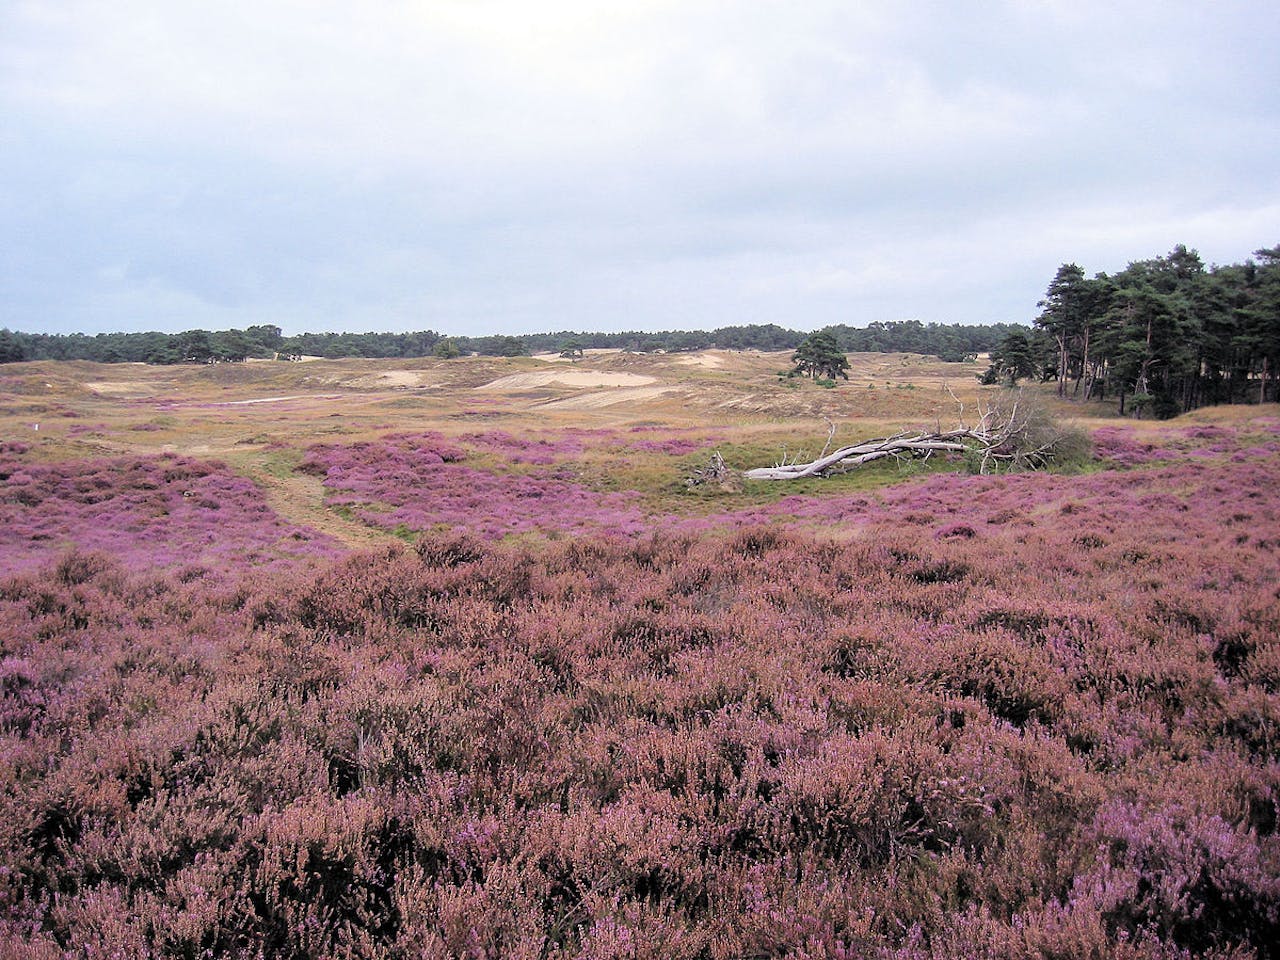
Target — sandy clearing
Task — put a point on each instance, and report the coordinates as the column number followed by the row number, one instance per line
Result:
column 198, row 404
column 607, row 398
column 240, row 403
column 113, row 388
column 566, row 378
column 701, row 360
column 394, row 378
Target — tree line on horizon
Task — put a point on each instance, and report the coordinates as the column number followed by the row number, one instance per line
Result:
column 1162, row 336
column 947, row 341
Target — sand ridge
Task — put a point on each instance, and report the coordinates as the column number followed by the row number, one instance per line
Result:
column 565, row 378
column 702, row 358
column 607, row 398
column 396, row 378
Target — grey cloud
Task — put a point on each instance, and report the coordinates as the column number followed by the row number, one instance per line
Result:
column 499, row 166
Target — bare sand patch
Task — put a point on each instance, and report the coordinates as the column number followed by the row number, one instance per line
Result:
column 296, row 396
column 701, row 359
column 195, row 404
column 566, row 378
column 607, row 398
column 394, row 378
column 117, row 388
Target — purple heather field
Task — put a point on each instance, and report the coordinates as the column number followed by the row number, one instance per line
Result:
column 1018, row 716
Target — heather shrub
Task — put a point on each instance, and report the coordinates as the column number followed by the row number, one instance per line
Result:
column 423, row 484
column 1037, row 720
column 160, row 511
column 1193, row 879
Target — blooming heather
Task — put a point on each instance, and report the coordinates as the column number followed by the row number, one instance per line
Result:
column 419, row 482
column 967, row 717
column 156, row 511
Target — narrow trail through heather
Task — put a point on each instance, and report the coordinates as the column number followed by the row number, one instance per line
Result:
column 300, row 499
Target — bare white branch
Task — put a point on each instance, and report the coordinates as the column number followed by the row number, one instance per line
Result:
column 1005, row 435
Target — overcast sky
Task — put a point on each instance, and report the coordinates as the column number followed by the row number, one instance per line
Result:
column 494, row 166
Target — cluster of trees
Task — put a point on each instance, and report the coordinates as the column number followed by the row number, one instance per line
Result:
column 1162, row 336
column 950, row 342
column 151, row 347
column 947, row 341
column 953, row 342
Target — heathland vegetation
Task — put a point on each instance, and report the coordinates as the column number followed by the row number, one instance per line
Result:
column 1163, row 336
column 442, row 658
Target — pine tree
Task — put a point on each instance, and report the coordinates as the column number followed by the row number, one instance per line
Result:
column 820, row 356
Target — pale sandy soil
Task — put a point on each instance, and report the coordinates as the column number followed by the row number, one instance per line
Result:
column 396, row 378
column 300, row 396
column 607, row 398
column 703, row 358
column 565, row 378
column 256, row 400
column 300, row 498
column 117, row 388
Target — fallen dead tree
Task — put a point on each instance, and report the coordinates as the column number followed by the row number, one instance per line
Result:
column 902, row 445
column 1009, row 434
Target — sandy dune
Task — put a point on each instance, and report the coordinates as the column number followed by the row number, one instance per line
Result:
column 395, row 378
column 565, row 378
column 702, row 358
column 606, row 398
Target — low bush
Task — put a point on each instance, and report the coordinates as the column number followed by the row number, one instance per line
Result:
column 1025, row 715
column 691, row 745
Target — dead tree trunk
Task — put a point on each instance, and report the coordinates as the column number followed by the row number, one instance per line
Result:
column 1006, row 435
column 847, row 458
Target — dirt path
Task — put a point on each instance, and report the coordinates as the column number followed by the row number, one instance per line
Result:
column 300, row 499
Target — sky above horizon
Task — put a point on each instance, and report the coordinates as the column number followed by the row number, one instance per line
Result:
column 491, row 166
